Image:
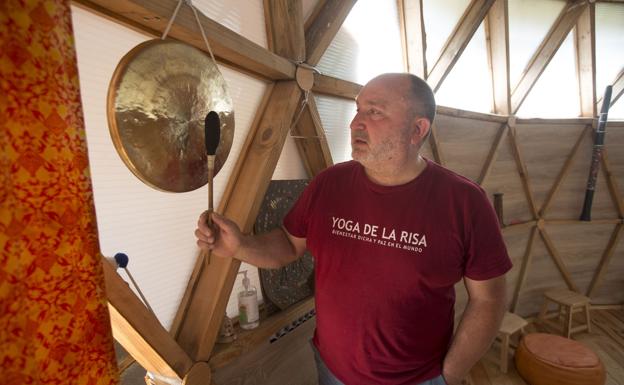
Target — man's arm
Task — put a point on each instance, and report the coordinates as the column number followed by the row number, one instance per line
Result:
column 270, row 250
column 477, row 328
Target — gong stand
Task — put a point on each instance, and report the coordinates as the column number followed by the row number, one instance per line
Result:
column 183, row 352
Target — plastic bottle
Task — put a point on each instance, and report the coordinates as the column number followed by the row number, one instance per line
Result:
column 248, row 314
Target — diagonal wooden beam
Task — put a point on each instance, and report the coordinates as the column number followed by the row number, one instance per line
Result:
column 605, row 259
column 311, row 141
column 413, row 34
column 522, row 170
column 585, row 43
column 487, row 167
column 227, row 45
column 615, row 191
column 139, row 331
column 556, row 257
column 564, row 171
column 328, row 85
column 526, row 263
column 284, row 25
column 457, row 42
column 434, row 142
column 546, row 51
column 617, row 91
column 322, row 30
column 206, row 308
column 497, row 38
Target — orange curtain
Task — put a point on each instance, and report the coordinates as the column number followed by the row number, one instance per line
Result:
column 54, row 324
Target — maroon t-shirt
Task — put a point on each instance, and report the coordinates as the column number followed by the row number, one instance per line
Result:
column 386, row 259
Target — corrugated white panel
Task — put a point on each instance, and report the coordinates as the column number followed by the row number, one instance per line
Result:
column 440, row 18
column 529, row 22
column 469, row 84
column 245, row 17
column 368, row 43
column 154, row 228
column 609, row 52
column 336, row 115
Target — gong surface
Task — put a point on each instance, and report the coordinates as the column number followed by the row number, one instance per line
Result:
column 158, row 99
column 294, row 282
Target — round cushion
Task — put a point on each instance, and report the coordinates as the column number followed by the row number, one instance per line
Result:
column 546, row 359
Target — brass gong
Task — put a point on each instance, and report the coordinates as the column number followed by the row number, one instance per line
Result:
column 158, row 98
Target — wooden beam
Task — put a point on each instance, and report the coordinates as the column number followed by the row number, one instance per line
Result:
column 311, row 141
column 564, row 171
column 139, row 331
column 585, row 43
column 556, row 257
column 617, row 91
column 605, row 259
column 207, row 307
column 457, row 42
column 322, row 30
column 226, row 44
column 284, row 22
column 546, row 51
column 616, row 195
column 414, row 34
column 434, row 142
column 497, row 37
column 487, row 167
column 328, row 85
column 522, row 171
column 526, row 263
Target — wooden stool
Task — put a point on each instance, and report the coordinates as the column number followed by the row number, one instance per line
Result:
column 510, row 325
column 569, row 302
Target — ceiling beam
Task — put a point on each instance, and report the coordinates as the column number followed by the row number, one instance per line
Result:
column 585, row 44
column 139, row 331
column 227, row 45
column 413, row 33
column 546, row 51
column 329, row 85
column 497, row 38
column 458, row 40
column 254, row 169
column 284, row 25
column 322, row 30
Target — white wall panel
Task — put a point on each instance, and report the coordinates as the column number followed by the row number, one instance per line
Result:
column 245, row 17
column 336, row 115
column 154, row 228
column 367, row 44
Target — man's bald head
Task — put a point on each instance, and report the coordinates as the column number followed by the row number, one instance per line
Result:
column 416, row 91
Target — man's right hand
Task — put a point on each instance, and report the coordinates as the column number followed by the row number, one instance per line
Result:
column 224, row 238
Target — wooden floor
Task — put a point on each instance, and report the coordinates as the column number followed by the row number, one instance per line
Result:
column 606, row 339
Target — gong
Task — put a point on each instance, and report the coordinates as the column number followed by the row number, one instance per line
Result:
column 159, row 96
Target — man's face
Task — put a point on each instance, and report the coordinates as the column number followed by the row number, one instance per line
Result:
column 380, row 129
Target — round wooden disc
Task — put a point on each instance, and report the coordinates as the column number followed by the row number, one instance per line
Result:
column 305, row 78
column 158, row 99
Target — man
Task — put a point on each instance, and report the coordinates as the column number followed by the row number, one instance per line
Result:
column 391, row 233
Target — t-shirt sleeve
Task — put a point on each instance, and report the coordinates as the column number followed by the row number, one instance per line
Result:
column 297, row 220
column 486, row 255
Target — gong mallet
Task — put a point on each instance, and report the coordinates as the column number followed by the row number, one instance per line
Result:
column 212, row 132
column 596, row 155
column 122, row 261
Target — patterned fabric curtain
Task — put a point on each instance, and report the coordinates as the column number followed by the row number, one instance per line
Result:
column 54, row 324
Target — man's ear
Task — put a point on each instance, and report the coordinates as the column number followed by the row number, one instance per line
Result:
column 421, row 127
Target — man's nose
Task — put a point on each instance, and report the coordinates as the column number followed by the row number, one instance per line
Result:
column 356, row 122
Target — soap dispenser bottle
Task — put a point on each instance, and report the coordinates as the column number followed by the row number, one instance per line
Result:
column 248, row 314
